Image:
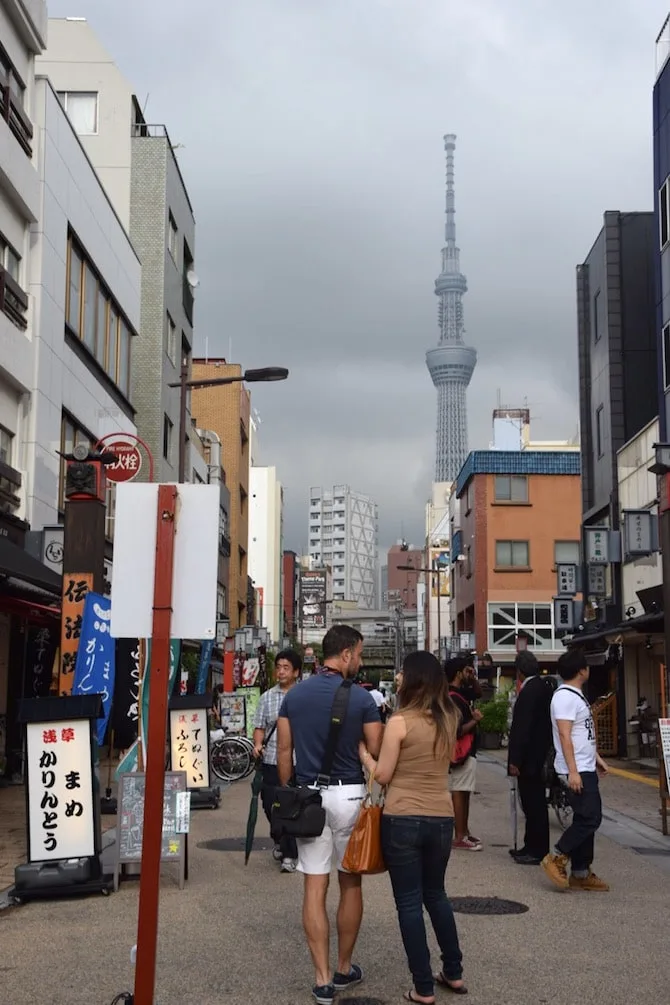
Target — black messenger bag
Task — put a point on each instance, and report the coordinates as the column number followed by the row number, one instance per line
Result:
column 297, row 810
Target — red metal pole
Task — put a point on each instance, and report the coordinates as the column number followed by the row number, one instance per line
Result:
column 147, row 924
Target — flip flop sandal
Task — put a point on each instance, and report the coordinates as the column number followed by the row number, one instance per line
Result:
column 409, row 997
column 448, row 986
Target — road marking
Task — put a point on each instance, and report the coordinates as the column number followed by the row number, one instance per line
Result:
column 634, row 776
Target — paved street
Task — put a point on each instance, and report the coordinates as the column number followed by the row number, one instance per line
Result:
column 233, row 936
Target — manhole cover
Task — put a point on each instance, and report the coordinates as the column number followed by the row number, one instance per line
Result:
column 652, row 851
column 236, row 844
column 487, row 905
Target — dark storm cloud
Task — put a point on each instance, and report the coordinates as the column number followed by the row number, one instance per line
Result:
column 311, row 135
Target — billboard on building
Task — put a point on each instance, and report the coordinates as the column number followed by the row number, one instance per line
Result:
column 313, row 599
column 440, row 559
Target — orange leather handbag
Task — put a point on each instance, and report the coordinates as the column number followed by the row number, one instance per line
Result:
column 364, row 849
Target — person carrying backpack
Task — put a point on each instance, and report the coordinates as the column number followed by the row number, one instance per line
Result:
column 463, row 772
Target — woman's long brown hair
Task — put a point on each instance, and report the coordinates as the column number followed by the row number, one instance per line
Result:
column 425, row 689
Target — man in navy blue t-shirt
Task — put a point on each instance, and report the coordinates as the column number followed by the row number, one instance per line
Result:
column 303, row 727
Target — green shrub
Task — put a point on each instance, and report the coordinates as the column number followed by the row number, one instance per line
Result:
column 494, row 715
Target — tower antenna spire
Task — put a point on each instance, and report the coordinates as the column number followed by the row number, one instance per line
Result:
column 452, row 363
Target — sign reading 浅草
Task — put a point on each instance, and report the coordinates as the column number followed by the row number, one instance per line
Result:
column 60, row 790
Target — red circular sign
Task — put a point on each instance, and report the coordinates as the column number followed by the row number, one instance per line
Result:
column 128, row 462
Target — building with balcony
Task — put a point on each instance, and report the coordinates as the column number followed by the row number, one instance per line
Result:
column 520, row 514
column 226, row 410
column 343, row 535
column 137, row 165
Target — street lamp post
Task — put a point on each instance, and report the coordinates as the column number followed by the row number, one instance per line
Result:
column 434, row 571
column 265, row 374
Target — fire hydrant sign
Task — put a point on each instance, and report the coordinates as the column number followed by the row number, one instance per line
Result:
column 60, row 790
column 189, row 743
column 128, row 463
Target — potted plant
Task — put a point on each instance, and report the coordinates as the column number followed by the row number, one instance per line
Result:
column 493, row 724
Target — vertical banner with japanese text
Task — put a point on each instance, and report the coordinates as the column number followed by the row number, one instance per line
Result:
column 130, row 760
column 41, row 647
column 206, row 650
column 126, row 702
column 75, row 587
column 95, row 664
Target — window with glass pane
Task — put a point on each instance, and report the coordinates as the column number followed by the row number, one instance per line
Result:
column 171, row 339
column 13, row 263
column 511, row 488
column 82, row 111
column 6, row 441
column 74, row 292
column 90, row 308
column 112, row 342
column 566, row 552
column 124, row 358
column 512, row 554
column 101, row 328
column 505, row 621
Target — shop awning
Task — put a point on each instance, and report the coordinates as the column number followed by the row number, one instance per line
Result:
column 644, row 623
column 18, row 568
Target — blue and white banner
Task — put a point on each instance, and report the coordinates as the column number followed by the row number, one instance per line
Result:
column 207, row 648
column 95, row 665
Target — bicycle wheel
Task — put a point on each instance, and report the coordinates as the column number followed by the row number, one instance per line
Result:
column 231, row 759
column 561, row 806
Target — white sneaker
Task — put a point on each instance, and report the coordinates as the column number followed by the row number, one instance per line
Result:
column 288, row 865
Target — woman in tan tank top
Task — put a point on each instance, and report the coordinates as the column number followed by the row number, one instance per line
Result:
column 418, row 820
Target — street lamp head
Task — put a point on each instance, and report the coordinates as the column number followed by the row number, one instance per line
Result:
column 266, row 374
column 661, row 465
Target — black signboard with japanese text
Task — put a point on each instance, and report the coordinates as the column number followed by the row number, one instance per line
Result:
column 130, row 821
column 41, row 647
column 125, row 706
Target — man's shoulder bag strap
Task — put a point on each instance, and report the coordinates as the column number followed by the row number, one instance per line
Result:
column 337, row 716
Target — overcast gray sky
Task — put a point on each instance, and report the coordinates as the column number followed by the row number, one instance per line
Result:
column 312, row 150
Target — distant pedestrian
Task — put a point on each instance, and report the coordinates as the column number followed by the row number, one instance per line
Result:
column 578, row 765
column 529, row 745
column 418, row 820
column 463, row 773
column 380, row 702
column 304, row 725
column 288, row 665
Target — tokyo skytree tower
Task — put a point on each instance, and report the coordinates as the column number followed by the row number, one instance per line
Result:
column 452, row 363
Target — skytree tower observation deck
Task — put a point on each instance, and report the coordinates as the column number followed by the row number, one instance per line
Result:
column 452, row 363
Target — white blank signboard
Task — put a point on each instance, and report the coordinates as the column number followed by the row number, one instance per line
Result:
column 196, row 559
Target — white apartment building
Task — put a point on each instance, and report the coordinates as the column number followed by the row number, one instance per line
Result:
column 22, row 36
column 343, row 535
column 266, row 516
column 138, row 168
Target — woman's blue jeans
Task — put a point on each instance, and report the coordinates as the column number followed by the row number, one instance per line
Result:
column 416, row 852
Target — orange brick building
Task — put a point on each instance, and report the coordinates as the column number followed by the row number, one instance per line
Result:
column 226, row 411
column 520, row 514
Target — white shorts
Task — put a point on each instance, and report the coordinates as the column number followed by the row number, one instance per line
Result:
column 462, row 778
column 342, row 803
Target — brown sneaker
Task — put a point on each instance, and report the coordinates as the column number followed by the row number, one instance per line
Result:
column 555, row 867
column 590, row 882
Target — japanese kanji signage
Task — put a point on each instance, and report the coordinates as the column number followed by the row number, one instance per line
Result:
column 567, row 580
column 128, row 463
column 564, row 614
column 597, row 585
column 95, row 663
column 597, row 545
column 75, row 587
column 41, row 646
column 60, row 790
column 189, row 745
column 639, row 532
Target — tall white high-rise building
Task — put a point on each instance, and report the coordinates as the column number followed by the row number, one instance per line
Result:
column 266, row 507
column 343, row 535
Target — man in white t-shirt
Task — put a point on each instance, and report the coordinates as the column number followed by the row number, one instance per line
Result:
column 578, row 765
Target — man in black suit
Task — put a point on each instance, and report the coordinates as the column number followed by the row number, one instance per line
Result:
column 529, row 743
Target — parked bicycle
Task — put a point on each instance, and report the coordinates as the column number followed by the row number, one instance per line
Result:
column 231, row 755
